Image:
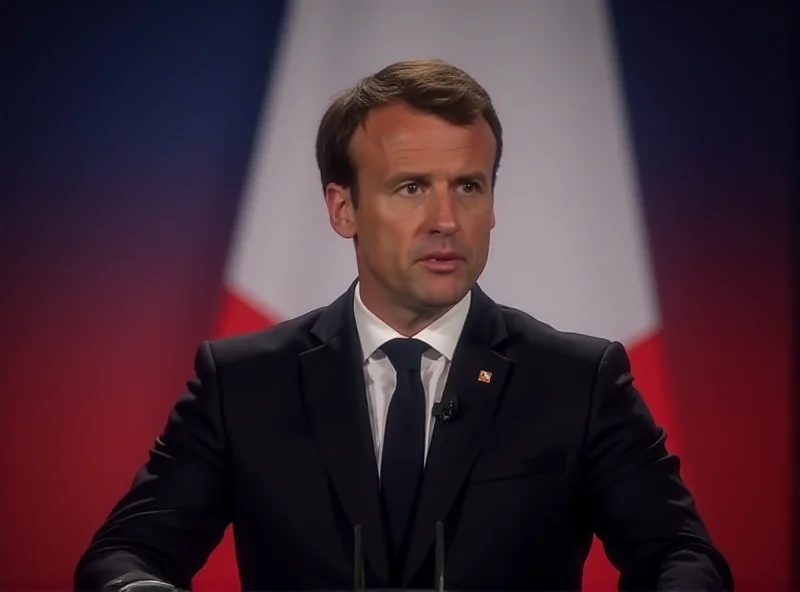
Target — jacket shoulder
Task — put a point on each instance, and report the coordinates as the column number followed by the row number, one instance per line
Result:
column 536, row 337
column 286, row 337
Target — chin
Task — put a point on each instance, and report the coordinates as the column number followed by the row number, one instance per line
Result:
column 441, row 296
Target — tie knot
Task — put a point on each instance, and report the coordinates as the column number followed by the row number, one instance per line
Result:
column 405, row 354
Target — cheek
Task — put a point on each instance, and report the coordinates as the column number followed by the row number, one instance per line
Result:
column 394, row 244
column 395, row 231
column 383, row 242
column 480, row 230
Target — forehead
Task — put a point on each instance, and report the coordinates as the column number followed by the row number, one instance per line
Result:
column 397, row 136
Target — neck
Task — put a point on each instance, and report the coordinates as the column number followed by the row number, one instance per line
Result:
column 405, row 320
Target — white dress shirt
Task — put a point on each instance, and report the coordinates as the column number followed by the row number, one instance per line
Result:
column 379, row 376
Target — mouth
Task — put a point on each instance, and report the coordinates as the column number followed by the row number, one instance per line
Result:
column 441, row 262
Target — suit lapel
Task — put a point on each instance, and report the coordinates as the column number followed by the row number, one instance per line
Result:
column 476, row 378
column 334, row 391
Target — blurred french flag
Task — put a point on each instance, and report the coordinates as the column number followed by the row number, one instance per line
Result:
column 569, row 246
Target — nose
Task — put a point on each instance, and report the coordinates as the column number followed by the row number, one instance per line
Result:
column 443, row 214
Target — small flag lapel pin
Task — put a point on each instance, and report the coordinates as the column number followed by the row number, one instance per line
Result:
column 485, row 376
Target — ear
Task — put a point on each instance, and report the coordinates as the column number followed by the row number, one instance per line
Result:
column 341, row 213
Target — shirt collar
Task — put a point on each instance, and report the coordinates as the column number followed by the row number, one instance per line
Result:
column 442, row 335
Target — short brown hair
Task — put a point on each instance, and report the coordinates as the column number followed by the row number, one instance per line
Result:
column 431, row 86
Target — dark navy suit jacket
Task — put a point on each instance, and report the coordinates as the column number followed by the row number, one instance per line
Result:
column 273, row 436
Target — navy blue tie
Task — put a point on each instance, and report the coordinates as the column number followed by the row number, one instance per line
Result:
column 404, row 437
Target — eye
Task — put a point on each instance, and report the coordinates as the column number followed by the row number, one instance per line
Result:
column 469, row 187
column 410, row 189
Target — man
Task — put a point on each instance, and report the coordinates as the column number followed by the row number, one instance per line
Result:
column 411, row 400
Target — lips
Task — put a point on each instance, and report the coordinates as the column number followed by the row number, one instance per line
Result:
column 440, row 256
column 441, row 262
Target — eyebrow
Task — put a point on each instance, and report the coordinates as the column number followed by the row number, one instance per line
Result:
column 478, row 176
column 401, row 176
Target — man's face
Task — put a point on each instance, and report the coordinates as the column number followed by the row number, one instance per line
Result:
column 425, row 207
